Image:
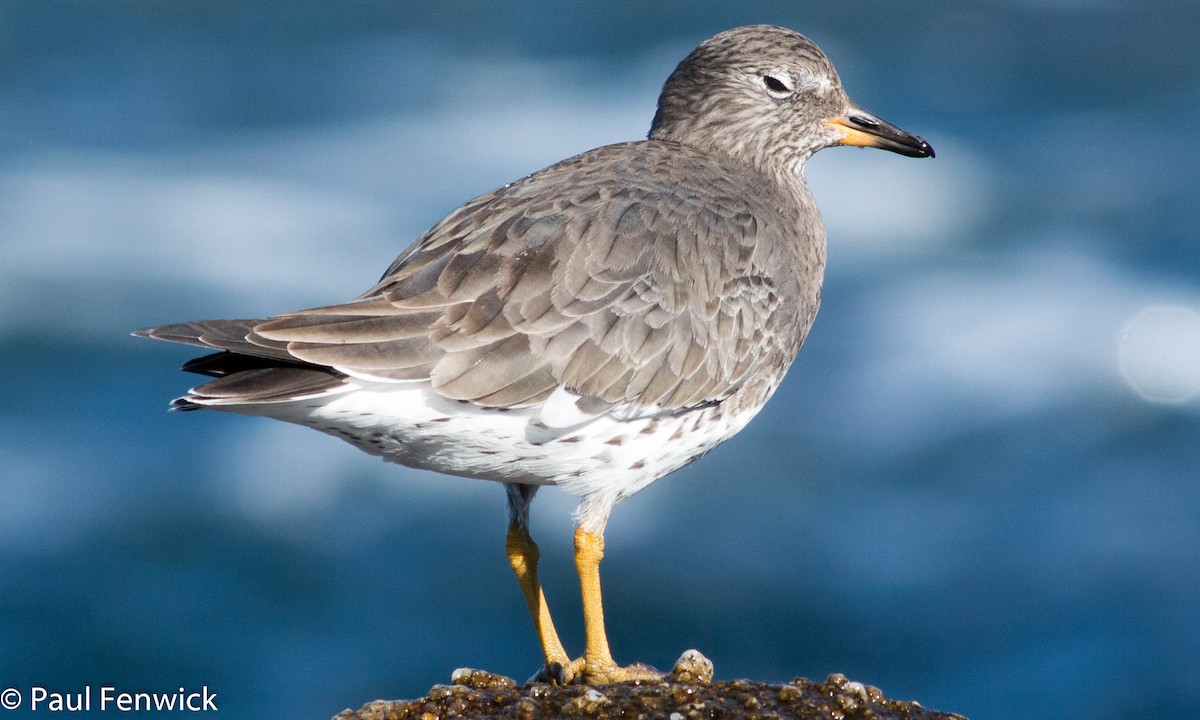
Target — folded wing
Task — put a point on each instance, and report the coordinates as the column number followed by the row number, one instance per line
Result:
column 612, row 281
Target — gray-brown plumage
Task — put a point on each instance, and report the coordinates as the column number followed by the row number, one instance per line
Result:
column 624, row 292
column 643, row 298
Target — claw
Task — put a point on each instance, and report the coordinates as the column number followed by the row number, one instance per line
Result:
column 550, row 673
column 555, row 673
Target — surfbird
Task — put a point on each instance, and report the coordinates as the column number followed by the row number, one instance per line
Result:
column 593, row 326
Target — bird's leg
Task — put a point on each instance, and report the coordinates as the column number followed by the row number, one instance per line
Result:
column 598, row 664
column 589, row 550
column 523, row 556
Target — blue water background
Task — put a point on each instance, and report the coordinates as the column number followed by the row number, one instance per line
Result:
column 978, row 486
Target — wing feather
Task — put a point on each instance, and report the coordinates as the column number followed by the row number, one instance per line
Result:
column 613, row 275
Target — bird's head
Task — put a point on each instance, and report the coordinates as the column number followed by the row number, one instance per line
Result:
column 769, row 95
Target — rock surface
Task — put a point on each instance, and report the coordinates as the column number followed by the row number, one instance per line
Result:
column 687, row 693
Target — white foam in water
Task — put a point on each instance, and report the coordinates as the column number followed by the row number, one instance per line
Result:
column 284, row 218
column 878, row 205
column 91, row 215
column 1159, row 354
column 1031, row 330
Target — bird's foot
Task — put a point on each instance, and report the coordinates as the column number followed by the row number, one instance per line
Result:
column 605, row 673
column 579, row 672
column 557, row 673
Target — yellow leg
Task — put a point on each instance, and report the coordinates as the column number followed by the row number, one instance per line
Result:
column 523, row 556
column 589, row 551
column 598, row 664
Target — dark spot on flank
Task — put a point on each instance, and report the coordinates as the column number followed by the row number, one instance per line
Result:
column 638, row 465
column 618, row 440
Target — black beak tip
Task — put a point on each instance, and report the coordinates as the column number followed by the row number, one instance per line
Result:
column 912, row 146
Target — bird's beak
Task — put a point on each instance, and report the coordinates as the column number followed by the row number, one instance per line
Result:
column 862, row 129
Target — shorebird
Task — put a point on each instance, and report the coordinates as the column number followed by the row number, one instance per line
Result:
column 593, row 326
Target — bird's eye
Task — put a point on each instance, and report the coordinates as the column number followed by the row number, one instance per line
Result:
column 778, row 85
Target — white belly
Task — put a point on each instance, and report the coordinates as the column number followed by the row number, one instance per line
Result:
column 604, row 458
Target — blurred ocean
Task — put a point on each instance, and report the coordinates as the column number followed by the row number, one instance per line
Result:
column 978, row 487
